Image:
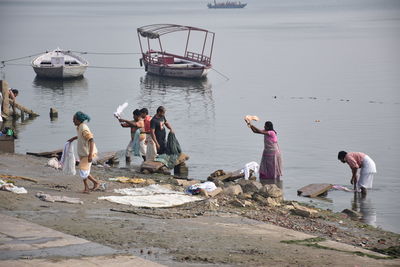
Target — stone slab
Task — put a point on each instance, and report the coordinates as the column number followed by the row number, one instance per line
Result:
column 314, row 190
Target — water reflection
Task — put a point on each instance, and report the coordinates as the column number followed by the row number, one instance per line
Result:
column 17, row 125
column 363, row 204
column 59, row 86
column 192, row 96
column 277, row 181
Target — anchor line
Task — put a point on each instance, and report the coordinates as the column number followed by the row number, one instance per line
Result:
column 226, row 77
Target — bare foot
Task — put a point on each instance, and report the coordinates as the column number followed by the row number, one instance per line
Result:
column 96, row 186
column 85, row 192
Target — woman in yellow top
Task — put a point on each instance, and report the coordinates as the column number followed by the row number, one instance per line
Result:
column 87, row 150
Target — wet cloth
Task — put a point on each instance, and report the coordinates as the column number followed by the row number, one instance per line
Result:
column 168, row 160
column 173, row 146
column 271, row 162
column 68, row 161
column 251, row 166
column 249, row 118
column 342, row 188
column 134, row 145
column 120, row 109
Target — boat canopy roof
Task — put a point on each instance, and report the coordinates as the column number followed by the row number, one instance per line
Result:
column 154, row 31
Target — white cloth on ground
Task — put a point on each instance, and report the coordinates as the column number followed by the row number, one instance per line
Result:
column 250, row 166
column 207, row 186
column 367, row 172
column 152, row 196
column 12, row 188
column 49, row 198
column 147, row 190
column 54, row 163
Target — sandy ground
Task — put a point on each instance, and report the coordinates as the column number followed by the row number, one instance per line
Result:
column 197, row 234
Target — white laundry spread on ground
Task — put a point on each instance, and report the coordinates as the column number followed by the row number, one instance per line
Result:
column 50, row 198
column 12, row 188
column 54, row 163
column 145, row 191
column 152, row 196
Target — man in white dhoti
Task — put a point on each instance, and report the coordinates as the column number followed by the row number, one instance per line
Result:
column 358, row 160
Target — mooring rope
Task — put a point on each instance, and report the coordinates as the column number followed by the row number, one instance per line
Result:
column 105, row 53
column 94, row 67
column 226, row 77
column 17, row 64
column 18, row 58
column 110, row 67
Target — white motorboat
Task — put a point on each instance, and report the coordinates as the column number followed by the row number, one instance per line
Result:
column 59, row 64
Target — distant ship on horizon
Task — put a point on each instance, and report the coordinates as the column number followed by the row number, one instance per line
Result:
column 227, row 4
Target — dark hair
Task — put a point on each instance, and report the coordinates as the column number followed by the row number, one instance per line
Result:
column 136, row 112
column 144, row 111
column 80, row 116
column 269, row 126
column 15, row 91
column 341, row 155
column 160, row 109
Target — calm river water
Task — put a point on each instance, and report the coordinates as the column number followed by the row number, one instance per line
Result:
column 327, row 73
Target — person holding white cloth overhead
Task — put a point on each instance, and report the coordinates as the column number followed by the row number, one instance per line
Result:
column 359, row 160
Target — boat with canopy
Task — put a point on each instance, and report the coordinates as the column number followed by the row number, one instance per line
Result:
column 181, row 59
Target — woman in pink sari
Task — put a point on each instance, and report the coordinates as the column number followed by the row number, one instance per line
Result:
column 271, row 162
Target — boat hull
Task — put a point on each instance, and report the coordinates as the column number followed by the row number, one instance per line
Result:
column 177, row 72
column 227, row 6
column 61, row 72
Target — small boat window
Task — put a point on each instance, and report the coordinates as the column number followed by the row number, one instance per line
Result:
column 71, row 62
column 45, row 63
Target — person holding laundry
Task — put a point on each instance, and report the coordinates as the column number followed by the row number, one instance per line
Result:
column 138, row 136
column 87, row 150
column 359, row 160
column 271, row 161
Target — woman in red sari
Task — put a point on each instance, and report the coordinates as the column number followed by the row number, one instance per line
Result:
column 271, row 161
